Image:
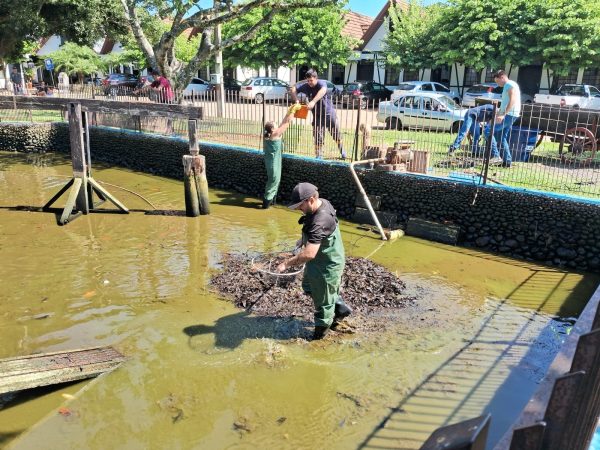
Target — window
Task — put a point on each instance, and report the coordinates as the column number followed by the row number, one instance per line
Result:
column 489, row 75
column 594, row 92
column 411, row 102
column 427, row 87
column 471, row 77
column 410, row 75
column 392, row 75
column 365, row 70
column 591, row 76
column 338, row 72
column 559, row 80
column 440, row 87
column 267, row 82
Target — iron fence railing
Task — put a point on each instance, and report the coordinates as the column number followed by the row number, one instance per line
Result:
column 553, row 148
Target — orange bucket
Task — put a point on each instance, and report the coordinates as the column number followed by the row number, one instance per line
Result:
column 302, row 113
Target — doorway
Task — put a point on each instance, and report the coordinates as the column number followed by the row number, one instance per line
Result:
column 529, row 79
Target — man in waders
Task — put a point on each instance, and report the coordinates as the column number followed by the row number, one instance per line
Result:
column 272, row 147
column 323, row 252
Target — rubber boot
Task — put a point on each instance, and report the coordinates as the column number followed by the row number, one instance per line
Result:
column 341, row 310
column 320, row 333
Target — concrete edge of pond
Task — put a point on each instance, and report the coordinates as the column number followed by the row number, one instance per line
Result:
column 536, row 407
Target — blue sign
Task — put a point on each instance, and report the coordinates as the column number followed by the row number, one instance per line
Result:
column 49, row 64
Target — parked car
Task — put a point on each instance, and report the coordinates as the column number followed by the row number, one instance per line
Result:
column 429, row 111
column 197, row 88
column 490, row 91
column 362, row 93
column 576, row 95
column 260, row 89
column 119, row 84
column 426, row 86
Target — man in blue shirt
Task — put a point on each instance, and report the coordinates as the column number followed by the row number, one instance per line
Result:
column 509, row 112
column 323, row 113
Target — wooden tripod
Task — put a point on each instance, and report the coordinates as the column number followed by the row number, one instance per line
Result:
column 82, row 185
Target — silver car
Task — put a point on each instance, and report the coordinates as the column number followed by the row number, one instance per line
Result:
column 260, row 89
column 425, row 86
column 489, row 91
column 432, row 112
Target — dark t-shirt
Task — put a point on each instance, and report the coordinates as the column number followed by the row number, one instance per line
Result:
column 321, row 224
column 323, row 106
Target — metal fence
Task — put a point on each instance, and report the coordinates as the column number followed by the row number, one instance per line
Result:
column 553, row 148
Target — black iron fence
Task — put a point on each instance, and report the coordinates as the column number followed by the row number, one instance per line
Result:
column 551, row 148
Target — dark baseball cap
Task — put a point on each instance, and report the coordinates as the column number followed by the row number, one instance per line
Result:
column 301, row 192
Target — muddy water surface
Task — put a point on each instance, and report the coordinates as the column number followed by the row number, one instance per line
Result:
column 202, row 374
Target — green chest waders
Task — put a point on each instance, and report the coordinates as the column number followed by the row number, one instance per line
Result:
column 323, row 276
column 272, row 150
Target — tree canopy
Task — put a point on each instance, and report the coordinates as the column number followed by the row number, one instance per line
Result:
column 77, row 60
column 563, row 34
column 82, row 22
column 297, row 37
column 184, row 14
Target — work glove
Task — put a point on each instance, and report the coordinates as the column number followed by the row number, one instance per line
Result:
column 295, row 107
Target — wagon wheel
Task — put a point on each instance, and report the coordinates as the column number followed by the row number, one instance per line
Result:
column 581, row 143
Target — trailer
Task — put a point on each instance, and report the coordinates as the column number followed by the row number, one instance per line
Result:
column 575, row 129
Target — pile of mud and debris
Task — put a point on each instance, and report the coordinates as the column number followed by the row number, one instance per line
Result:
column 368, row 288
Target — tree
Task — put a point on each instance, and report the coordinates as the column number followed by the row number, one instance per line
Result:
column 568, row 34
column 298, row 37
column 409, row 42
column 76, row 60
column 82, row 22
column 184, row 14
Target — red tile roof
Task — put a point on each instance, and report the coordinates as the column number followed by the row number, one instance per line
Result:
column 356, row 24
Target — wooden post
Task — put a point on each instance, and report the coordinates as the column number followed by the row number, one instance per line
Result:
column 78, row 157
column 194, row 176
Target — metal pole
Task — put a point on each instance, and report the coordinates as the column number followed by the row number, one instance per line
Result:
column 364, row 194
column 220, row 91
column 356, row 131
column 488, row 146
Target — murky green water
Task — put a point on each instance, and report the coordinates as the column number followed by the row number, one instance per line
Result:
column 201, row 374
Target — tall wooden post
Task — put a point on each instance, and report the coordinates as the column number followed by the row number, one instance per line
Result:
column 78, row 156
column 194, row 176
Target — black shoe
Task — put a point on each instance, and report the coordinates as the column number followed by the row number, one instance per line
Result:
column 266, row 204
column 506, row 165
column 320, row 333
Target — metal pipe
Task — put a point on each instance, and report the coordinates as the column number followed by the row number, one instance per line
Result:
column 364, row 194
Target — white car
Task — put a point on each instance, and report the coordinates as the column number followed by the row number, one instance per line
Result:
column 425, row 86
column 260, row 89
column 197, row 88
column 425, row 111
column 489, row 91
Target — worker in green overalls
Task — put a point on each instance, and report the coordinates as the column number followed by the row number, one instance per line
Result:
column 272, row 148
column 322, row 250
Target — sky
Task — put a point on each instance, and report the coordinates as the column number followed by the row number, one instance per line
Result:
column 372, row 7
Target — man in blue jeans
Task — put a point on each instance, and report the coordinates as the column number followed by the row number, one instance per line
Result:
column 471, row 124
column 509, row 112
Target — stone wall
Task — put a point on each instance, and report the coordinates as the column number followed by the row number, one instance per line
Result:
column 550, row 229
